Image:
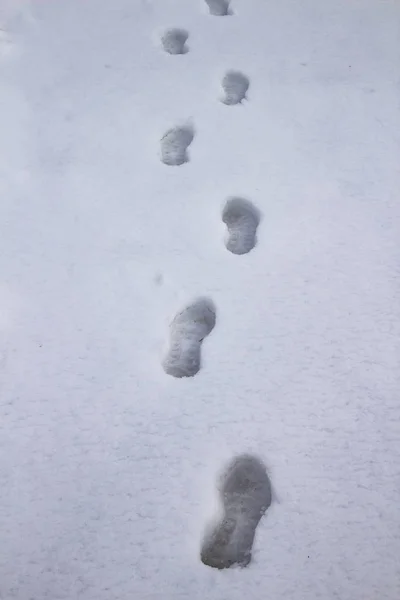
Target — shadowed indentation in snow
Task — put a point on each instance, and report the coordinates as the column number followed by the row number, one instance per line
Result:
column 241, row 218
column 235, row 86
column 187, row 332
column 245, row 492
column 174, row 145
column 174, row 41
column 219, row 8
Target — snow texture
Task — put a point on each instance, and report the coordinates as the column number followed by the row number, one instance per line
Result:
column 235, row 86
column 245, row 492
column 107, row 464
column 241, row 218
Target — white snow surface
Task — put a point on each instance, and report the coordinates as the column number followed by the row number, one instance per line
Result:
column 108, row 466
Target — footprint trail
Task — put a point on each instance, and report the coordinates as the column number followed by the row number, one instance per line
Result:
column 187, row 332
column 242, row 219
column 219, row 8
column 245, row 492
column 174, row 145
column 174, row 41
column 235, row 85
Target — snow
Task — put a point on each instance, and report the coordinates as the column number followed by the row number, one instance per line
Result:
column 108, row 465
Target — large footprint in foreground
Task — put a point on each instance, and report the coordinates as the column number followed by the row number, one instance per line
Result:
column 245, row 492
column 242, row 219
column 187, row 332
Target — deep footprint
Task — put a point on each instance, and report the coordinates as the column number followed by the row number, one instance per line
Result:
column 174, row 145
column 187, row 332
column 174, row 41
column 235, row 85
column 245, row 492
column 218, row 8
column 242, row 219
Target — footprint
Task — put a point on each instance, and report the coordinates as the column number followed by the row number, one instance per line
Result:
column 174, row 145
column 242, row 219
column 235, row 85
column 187, row 331
column 219, row 8
column 245, row 492
column 6, row 44
column 174, row 41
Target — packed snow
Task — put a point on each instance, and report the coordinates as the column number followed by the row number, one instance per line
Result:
column 149, row 339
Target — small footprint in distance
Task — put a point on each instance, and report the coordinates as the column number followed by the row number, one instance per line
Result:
column 187, row 332
column 235, row 85
column 245, row 492
column 174, row 145
column 7, row 47
column 174, row 41
column 241, row 218
column 219, row 8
